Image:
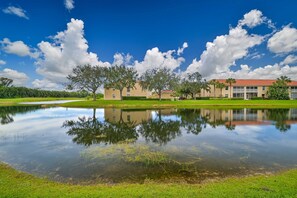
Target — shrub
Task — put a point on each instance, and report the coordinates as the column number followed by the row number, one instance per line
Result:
column 203, row 98
column 257, row 98
column 134, row 98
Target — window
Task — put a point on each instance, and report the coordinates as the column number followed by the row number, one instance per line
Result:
column 251, row 89
column 128, row 94
column 113, row 89
column 128, row 118
column 226, row 88
column 238, row 89
column 263, row 88
column 294, row 89
column 113, row 95
column 238, row 95
column 226, row 95
column 128, row 89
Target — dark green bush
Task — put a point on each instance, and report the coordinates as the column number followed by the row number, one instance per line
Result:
column 134, row 98
column 203, row 98
column 257, row 98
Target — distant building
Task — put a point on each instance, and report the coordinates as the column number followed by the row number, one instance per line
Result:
column 247, row 89
column 114, row 94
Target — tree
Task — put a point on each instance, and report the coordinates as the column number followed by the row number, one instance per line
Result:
column 221, row 86
column 87, row 78
column 279, row 89
column 120, row 77
column 205, row 85
column 184, row 88
column 5, row 82
column 158, row 80
column 230, row 81
column 195, row 83
column 214, row 82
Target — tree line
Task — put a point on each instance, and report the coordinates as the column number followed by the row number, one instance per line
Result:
column 88, row 79
column 91, row 78
column 9, row 91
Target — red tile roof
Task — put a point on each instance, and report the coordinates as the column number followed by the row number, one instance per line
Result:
column 264, row 122
column 254, row 82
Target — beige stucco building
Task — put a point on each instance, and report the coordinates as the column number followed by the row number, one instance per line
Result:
column 247, row 89
column 245, row 116
column 243, row 88
column 114, row 94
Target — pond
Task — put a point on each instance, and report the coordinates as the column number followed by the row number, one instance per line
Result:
column 137, row 145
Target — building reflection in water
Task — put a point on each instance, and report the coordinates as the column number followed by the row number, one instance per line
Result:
column 163, row 125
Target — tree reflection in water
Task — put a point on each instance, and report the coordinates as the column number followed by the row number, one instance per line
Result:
column 159, row 130
column 7, row 113
column 280, row 118
column 88, row 131
column 192, row 120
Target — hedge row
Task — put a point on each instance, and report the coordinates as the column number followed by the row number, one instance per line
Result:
column 22, row 92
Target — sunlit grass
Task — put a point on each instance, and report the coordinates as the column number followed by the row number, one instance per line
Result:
column 16, row 184
column 185, row 104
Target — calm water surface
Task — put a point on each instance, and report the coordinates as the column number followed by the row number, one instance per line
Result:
column 170, row 145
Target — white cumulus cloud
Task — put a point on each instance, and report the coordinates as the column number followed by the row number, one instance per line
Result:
column 181, row 49
column 225, row 50
column 283, row 41
column 69, row 4
column 16, row 11
column 289, row 60
column 67, row 50
column 18, row 48
column 154, row 58
column 252, row 19
column 44, row 84
column 2, row 62
column 266, row 72
column 18, row 78
column 122, row 59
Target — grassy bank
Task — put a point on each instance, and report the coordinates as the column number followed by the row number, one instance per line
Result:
column 17, row 184
column 186, row 104
column 15, row 101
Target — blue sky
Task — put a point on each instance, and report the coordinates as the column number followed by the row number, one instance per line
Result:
column 247, row 39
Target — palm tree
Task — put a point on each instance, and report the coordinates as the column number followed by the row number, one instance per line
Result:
column 205, row 86
column 285, row 79
column 214, row 82
column 221, row 86
column 230, row 81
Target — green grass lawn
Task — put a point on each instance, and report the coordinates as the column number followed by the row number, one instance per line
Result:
column 186, row 104
column 15, row 101
column 17, row 184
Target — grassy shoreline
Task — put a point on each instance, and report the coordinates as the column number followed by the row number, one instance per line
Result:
column 16, row 101
column 14, row 183
column 184, row 104
column 217, row 104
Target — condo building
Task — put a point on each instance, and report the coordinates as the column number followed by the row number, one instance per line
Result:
column 114, row 94
column 242, row 88
column 247, row 89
